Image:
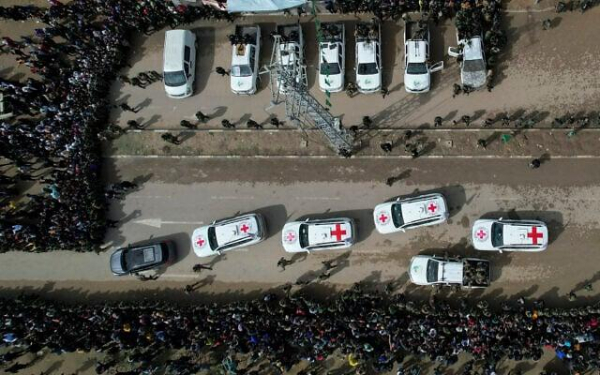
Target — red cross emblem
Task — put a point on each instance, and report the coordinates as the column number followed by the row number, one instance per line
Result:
column 481, row 234
column 290, row 237
column 245, row 228
column 338, row 232
column 432, row 207
column 383, row 218
column 534, row 235
column 200, row 241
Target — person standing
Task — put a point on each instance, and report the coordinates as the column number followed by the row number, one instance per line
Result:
column 535, row 163
column 220, row 70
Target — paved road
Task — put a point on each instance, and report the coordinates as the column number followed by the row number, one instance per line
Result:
column 181, row 194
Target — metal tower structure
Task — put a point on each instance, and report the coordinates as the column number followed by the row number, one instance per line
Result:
column 288, row 79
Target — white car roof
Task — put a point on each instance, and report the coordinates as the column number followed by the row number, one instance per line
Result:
column 365, row 52
column 532, row 234
column 330, row 55
column 240, row 54
column 423, row 207
column 236, row 229
column 329, row 232
column 416, row 51
column 472, row 49
column 524, row 234
column 451, row 272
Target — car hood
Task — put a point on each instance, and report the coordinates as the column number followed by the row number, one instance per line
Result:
column 290, row 237
column 241, row 84
column 200, row 242
column 481, row 235
column 116, row 265
column 415, row 82
column 382, row 215
column 335, row 82
column 417, row 270
column 368, row 82
column 176, row 91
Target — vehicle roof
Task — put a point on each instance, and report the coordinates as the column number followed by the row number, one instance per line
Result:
column 523, row 234
column 174, row 47
column 472, row 49
column 240, row 54
column 236, row 229
column 451, row 272
column 323, row 232
column 143, row 255
column 423, row 207
column 330, row 55
column 416, row 51
column 366, row 52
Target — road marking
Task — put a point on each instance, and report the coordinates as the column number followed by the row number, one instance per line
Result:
column 158, row 222
column 317, row 198
column 149, row 196
column 231, row 197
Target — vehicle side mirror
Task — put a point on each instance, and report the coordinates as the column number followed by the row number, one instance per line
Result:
column 454, row 51
column 436, row 67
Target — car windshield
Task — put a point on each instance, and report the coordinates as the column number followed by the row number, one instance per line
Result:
column 416, row 68
column 367, row 69
column 473, row 65
column 330, row 68
column 397, row 215
column 175, row 79
column 212, row 238
column 432, row 271
column 497, row 235
column 241, row 71
column 303, row 235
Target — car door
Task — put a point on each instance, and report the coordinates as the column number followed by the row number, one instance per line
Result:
column 253, row 64
column 188, row 63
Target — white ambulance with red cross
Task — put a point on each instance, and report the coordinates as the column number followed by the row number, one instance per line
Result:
column 316, row 235
column 410, row 213
column 229, row 234
column 510, row 235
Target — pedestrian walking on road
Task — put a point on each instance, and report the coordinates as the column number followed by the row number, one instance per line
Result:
column 437, row 121
column 282, row 263
column 252, row 124
column 275, row 122
column 488, row 122
column 329, row 265
column 138, row 83
column 199, row 267
column 324, row 276
column 535, row 164
column 481, row 143
column 226, row 124
column 466, row 119
column 367, row 122
column 170, row 138
column 572, row 296
column 132, row 124
column 220, row 70
column 202, row 117
column 387, row 147
column 506, row 120
column 588, row 287
column 126, row 107
column 384, row 92
column 188, row 125
column 390, row 181
column 546, row 24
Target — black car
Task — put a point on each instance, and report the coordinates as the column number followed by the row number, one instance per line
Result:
column 133, row 259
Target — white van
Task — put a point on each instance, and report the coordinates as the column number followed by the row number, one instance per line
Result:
column 179, row 63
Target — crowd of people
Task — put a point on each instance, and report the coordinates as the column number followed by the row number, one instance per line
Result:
column 371, row 331
column 61, row 116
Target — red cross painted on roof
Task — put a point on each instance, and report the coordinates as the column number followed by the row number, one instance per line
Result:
column 290, row 236
column 245, row 228
column 200, row 241
column 534, row 235
column 481, row 234
column 338, row 232
column 383, row 218
column 432, row 207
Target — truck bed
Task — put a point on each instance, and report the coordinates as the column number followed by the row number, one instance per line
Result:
column 367, row 31
column 416, row 30
column 289, row 33
column 248, row 33
column 332, row 32
column 476, row 273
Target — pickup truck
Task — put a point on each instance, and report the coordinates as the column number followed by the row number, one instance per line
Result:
column 368, row 57
column 332, row 59
column 245, row 54
column 467, row 272
column 470, row 54
column 417, row 69
column 290, row 54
